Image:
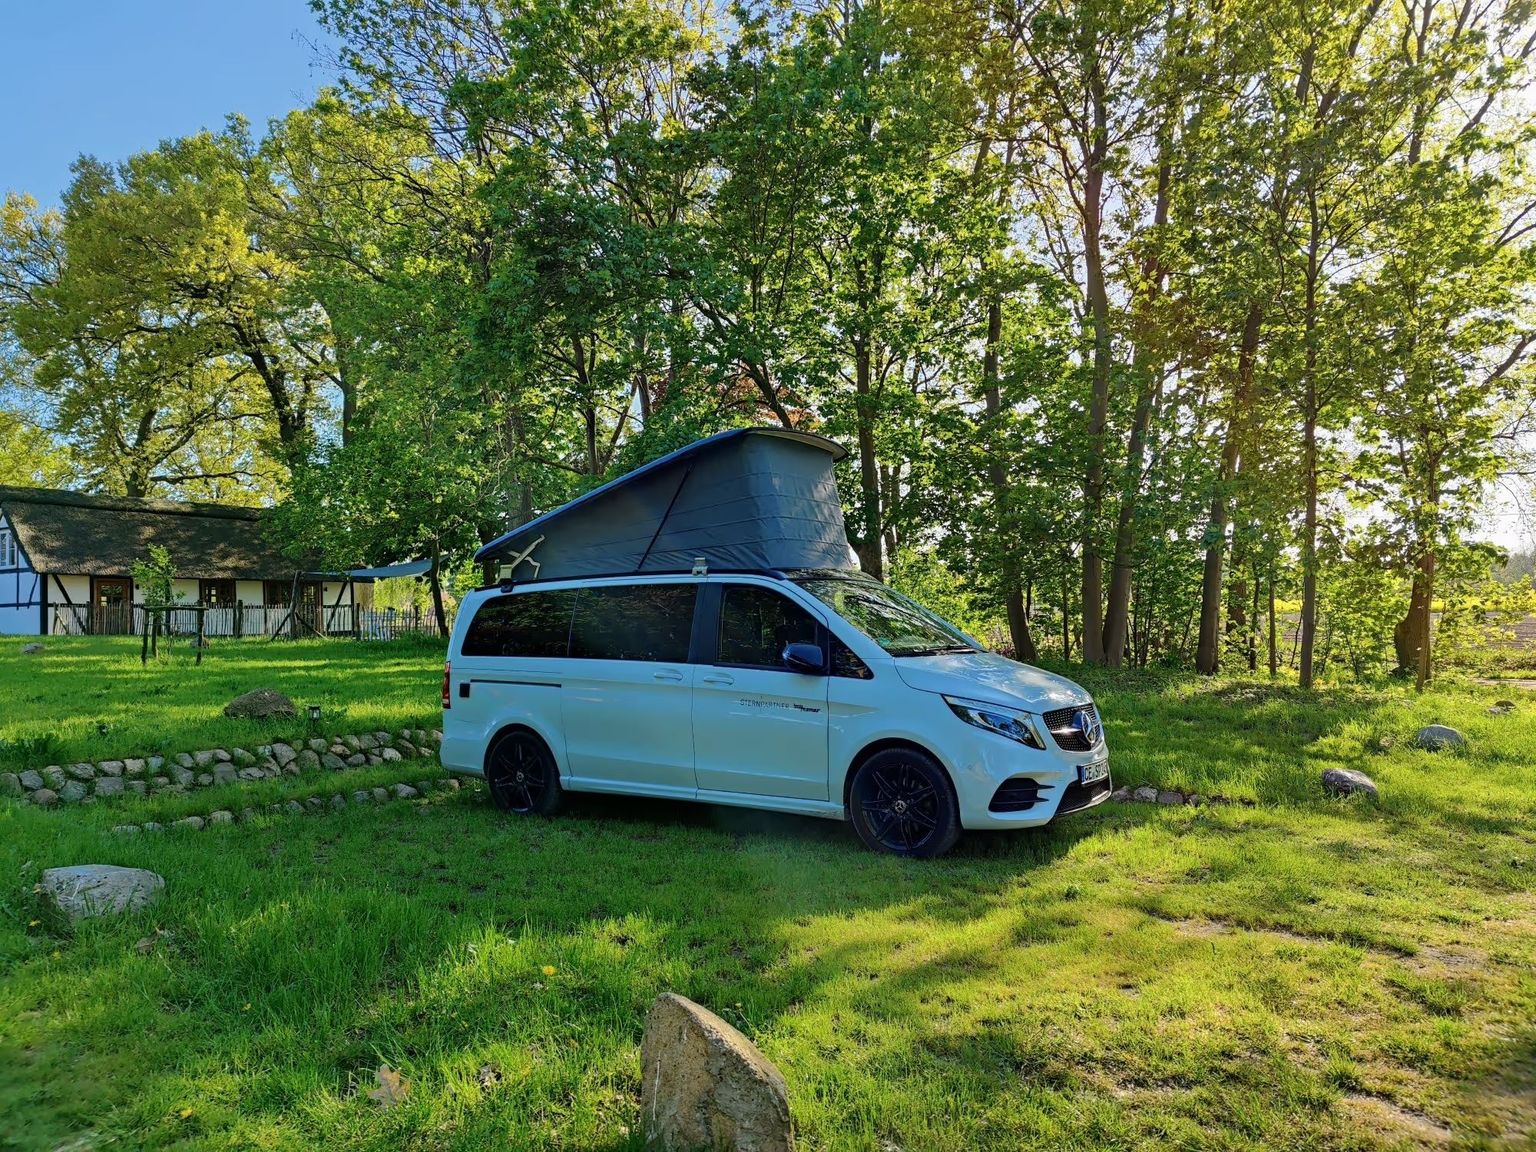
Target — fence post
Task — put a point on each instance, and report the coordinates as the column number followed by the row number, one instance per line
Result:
column 239, row 619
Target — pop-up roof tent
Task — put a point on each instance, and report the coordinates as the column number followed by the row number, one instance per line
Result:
column 747, row 498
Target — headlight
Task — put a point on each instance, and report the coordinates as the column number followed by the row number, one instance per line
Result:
column 1006, row 722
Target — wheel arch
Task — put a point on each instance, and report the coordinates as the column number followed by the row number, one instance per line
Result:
column 875, row 747
column 507, row 729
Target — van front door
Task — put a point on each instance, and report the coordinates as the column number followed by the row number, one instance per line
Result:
column 758, row 727
column 627, row 689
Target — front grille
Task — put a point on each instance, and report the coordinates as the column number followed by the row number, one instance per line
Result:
column 1061, row 724
column 1017, row 795
column 1080, row 796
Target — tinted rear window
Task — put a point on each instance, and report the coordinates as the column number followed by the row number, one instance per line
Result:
column 634, row 622
column 523, row 624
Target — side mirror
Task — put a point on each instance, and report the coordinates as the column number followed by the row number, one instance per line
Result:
column 805, row 658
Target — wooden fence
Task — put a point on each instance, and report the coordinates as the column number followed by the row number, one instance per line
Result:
column 240, row 620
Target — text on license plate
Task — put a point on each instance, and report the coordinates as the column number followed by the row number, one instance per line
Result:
column 1093, row 773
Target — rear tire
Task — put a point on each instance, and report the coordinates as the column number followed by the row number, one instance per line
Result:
column 901, row 802
column 521, row 774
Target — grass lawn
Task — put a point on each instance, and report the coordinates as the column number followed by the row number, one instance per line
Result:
column 90, row 699
column 1299, row 974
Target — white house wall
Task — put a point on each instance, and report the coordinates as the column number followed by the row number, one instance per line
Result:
column 20, row 607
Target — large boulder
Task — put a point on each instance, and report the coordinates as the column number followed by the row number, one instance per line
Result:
column 1438, row 737
column 87, row 890
column 705, row 1086
column 260, row 705
column 1348, row 782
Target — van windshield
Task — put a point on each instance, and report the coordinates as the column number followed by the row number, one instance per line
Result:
column 901, row 626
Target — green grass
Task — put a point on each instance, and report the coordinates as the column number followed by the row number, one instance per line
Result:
column 91, row 699
column 1300, row 974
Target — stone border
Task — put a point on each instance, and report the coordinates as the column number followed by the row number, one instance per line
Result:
column 86, row 783
column 1146, row 794
column 338, row 802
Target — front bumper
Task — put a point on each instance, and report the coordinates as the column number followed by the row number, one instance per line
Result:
column 1005, row 786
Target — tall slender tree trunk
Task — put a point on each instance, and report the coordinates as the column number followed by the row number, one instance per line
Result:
column 1208, row 650
column 997, row 475
column 1274, row 656
column 868, row 545
column 1309, row 453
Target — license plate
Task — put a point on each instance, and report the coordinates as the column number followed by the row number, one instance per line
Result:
column 1093, row 773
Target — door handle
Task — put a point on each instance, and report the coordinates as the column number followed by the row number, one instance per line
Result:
column 718, row 678
column 673, row 676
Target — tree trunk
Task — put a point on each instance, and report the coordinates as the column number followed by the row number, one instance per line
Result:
column 1097, row 298
column 1309, row 453
column 435, row 580
column 1274, row 656
column 997, row 476
column 868, row 544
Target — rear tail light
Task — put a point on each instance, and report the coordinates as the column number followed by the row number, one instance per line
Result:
column 447, row 672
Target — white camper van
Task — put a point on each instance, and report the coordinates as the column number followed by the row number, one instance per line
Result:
column 804, row 688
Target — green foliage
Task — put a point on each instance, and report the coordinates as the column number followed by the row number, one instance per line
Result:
column 155, row 577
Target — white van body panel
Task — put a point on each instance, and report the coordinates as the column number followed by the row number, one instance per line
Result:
column 762, row 738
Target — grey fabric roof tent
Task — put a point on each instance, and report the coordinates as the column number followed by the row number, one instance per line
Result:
column 747, row 498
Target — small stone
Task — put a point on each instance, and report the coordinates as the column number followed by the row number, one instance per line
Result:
column 1195, row 800
column 333, row 762
column 31, row 649
column 204, row 779
column 222, row 816
column 31, row 780
column 154, row 764
column 423, row 786
column 362, row 796
column 225, row 774
column 291, row 768
column 152, row 826
column 705, row 1085
column 388, row 755
column 384, row 738
column 188, row 822
column 353, row 743
column 284, row 755
column 317, row 746
column 269, row 766
column 437, row 735
column 183, row 776
column 247, row 815
column 82, row 772
column 314, row 803
column 251, row 773
column 109, row 786
column 356, row 760
column 158, row 782
column 72, row 792
column 221, row 755
column 203, row 759
column 309, row 761
column 126, row 829
column 1145, row 795
column 1121, row 794
column 405, row 734
column 381, row 795
column 293, row 808
column 419, row 737
column 261, row 704
column 10, row 784
column 374, row 758
column 44, row 797
column 405, row 792
column 87, row 890
column 1170, row 798
column 368, row 741
column 340, row 750
column 274, row 809
column 55, row 777
column 241, row 757
column 134, row 768
column 407, row 749
column 449, row 785
column 182, row 760
column 338, row 802
column 137, row 787
column 1438, row 737
column 1348, row 782
column 110, row 767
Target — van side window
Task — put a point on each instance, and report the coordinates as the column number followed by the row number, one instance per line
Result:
column 634, row 622
column 522, row 624
column 756, row 623
column 846, row 662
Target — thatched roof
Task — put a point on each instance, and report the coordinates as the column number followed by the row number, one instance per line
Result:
column 73, row 533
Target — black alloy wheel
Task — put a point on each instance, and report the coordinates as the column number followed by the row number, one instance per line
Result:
column 522, row 775
column 901, row 802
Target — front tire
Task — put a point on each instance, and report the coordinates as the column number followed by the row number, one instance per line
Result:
column 901, row 802
column 522, row 776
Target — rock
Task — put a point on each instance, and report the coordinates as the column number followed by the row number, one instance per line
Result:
column 158, row 782
column 204, row 758
column 10, row 784
column 154, row 764
column 381, row 795
column 137, row 787
column 110, row 767
column 356, row 760
column 407, row 749
column 284, row 755
column 125, row 829
column 368, row 741
column 437, row 735
column 449, row 785
column 188, row 822
column 405, row 792
column 87, row 890
column 362, row 796
column 1170, row 798
column 389, row 754
column 423, row 786
column 703, row 1085
column 241, row 757
column 291, row 768
column 318, row 746
column 82, row 772
column 182, row 760
column 72, row 792
column 1122, row 794
column 314, row 803
column 44, row 797
column 204, row 779
column 261, row 704
column 1194, row 800
column 293, row 808
column 31, row 649
column 338, row 802
column 251, row 773
column 151, row 826
column 333, row 762
column 1502, row 708
column 1145, row 795
column 340, row 750
column 1347, row 782
column 133, row 768
column 269, row 766
column 31, row 781
column 221, row 755
column 54, row 776
column 222, row 816
column 1437, row 737
column 374, row 758
column 309, row 761
column 247, row 815
column 419, row 737
column 109, row 786
column 225, row 774
column 353, row 744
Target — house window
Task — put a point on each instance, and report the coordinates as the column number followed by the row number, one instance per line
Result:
column 216, row 593
column 7, row 549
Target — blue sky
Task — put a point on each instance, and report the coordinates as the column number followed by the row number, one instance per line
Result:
column 111, row 79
